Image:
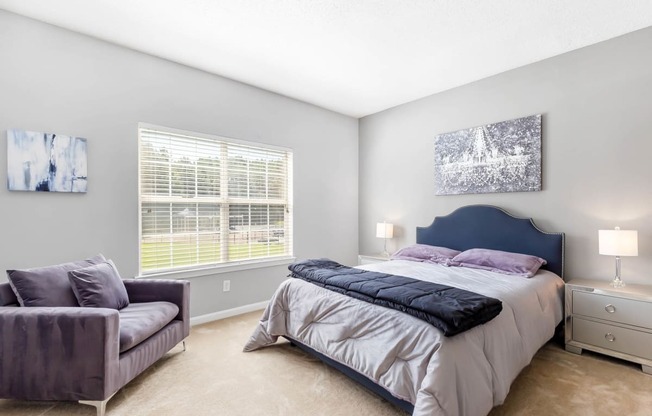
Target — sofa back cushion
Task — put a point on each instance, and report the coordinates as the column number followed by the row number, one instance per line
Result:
column 7, row 296
column 47, row 286
column 99, row 286
column 139, row 321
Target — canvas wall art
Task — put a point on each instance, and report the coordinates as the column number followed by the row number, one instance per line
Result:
column 45, row 162
column 498, row 157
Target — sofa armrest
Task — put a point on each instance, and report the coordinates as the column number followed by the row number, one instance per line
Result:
column 154, row 290
column 66, row 353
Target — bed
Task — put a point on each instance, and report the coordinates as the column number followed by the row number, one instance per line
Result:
column 410, row 362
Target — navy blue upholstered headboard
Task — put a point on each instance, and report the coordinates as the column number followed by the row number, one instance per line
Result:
column 485, row 226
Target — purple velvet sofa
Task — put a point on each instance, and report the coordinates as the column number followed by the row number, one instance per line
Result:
column 88, row 354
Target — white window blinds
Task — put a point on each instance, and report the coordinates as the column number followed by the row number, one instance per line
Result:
column 209, row 200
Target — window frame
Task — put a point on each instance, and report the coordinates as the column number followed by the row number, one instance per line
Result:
column 197, row 270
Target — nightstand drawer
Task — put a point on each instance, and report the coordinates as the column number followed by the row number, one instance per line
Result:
column 613, row 338
column 615, row 309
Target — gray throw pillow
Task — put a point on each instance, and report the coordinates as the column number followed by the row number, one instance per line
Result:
column 47, row 286
column 99, row 286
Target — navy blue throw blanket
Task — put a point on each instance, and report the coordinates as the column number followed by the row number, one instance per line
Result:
column 448, row 308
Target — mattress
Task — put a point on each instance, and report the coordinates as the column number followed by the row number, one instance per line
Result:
column 466, row 374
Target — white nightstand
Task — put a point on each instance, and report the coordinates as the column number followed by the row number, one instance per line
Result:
column 611, row 321
column 371, row 258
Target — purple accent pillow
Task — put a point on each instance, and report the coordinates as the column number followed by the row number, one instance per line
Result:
column 426, row 253
column 99, row 286
column 47, row 286
column 499, row 261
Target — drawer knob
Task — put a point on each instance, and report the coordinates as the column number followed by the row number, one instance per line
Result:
column 609, row 337
column 610, row 308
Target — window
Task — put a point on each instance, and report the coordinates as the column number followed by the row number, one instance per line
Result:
column 207, row 200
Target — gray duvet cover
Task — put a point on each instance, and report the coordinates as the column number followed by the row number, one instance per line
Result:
column 466, row 374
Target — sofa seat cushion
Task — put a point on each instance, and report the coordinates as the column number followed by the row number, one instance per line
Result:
column 139, row 321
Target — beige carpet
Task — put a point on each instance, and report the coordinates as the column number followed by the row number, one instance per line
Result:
column 213, row 377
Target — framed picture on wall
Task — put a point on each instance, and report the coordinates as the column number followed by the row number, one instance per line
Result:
column 45, row 162
column 498, row 157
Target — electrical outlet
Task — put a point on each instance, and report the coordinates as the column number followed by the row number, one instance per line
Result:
column 226, row 286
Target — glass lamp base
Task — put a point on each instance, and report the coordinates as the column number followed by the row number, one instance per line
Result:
column 617, row 282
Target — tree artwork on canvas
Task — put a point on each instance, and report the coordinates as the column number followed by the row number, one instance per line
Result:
column 498, row 157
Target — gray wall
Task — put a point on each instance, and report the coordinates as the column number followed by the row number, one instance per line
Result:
column 597, row 147
column 57, row 81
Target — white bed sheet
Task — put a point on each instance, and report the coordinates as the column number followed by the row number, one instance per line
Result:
column 466, row 374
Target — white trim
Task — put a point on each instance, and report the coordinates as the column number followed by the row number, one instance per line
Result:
column 215, row 316
column 219, row 268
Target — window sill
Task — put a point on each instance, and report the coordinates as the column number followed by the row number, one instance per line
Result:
column 217, row 269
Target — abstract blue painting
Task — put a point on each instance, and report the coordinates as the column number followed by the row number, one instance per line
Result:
column 45, row 162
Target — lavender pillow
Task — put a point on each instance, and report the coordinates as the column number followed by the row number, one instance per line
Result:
column 47, row 286
column 499, row 261
column 99, row 286
column 426, row 253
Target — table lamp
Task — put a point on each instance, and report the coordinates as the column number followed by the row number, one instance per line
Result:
column 385, row 230
column 618, row 243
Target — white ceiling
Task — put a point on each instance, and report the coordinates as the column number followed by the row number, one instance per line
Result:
column 356, row 57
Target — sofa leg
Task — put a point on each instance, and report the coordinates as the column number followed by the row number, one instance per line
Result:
column 184, row 345
column 100, row 405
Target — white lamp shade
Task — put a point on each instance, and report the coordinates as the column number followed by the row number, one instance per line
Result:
column 618, row 242
column 384, row 230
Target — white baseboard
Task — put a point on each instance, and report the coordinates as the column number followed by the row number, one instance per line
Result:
column 216, row 316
